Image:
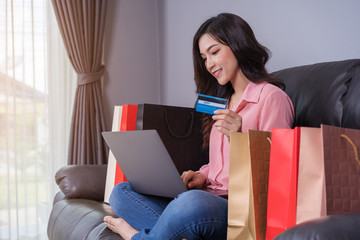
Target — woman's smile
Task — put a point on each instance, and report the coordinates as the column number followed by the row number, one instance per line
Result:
column 217, row 73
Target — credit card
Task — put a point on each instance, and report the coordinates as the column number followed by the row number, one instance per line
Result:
column 209, row 104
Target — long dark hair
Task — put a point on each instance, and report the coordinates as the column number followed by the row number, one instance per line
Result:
column 235, row 32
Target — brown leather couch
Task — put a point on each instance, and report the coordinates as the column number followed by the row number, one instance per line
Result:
column 324, row 93
column 78, row 210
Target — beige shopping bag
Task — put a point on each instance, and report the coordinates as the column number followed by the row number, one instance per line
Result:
column 248, row 179
column 311, row 197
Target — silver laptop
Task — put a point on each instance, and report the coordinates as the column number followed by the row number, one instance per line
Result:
column 145, row 162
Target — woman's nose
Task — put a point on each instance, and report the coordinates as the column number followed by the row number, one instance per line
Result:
column 209, row 63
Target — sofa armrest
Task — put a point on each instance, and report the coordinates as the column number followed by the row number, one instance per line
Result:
column 58, row 197
column 340, row 226
column 82, row 181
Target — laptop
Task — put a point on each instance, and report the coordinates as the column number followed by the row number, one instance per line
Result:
column 146, row 163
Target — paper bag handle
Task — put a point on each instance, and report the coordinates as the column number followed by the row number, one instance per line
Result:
column 178, row 136
column 353, row 145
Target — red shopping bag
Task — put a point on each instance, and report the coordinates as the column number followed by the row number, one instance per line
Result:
column 124, row 119
column 128, row 123
column 282, row 188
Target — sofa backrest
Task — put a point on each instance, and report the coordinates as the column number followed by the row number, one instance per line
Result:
column 324, row 93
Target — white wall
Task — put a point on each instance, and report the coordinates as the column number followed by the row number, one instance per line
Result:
column 131, row 54
column 297, row 33
column 148, row 43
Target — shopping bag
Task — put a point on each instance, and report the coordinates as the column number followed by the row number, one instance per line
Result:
column 124, row 119
column 282, row 190
column 180, row 130
column 342, row 170
column 127, row 123
column 248, row 179
column 311, row 193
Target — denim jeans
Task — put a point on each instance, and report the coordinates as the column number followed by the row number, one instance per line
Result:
column 194, row 214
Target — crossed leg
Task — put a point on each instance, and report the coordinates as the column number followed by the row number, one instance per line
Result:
column 120, row 226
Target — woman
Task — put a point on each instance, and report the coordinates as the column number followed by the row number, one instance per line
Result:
column 229, row 63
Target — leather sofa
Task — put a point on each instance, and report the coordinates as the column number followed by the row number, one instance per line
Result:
column 78, row 210
column 323, row 93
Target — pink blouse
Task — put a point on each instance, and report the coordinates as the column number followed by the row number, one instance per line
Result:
column 262, row 106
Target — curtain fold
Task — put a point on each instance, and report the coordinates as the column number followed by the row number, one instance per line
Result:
column 82, row 25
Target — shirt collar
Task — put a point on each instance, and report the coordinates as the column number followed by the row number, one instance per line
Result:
column 251, row 93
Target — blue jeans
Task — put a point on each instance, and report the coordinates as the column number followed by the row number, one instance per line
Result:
column 194, row 214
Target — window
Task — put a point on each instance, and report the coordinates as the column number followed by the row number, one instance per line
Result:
column 32, row 63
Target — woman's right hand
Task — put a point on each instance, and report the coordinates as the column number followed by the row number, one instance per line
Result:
column 227, row 121
column 193, row 179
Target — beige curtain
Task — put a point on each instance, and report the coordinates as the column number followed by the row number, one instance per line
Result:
column 82, row 24
column 35, row 113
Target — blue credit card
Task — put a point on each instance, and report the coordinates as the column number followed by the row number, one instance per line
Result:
column 209, row 104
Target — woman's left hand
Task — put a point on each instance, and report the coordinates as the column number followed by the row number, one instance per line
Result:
column 227, row 121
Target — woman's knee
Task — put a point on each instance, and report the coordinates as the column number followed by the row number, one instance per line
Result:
column 199, row 202
column 195, row 213
column 200, row 197
column 117, row 192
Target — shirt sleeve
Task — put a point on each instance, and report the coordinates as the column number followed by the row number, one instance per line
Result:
column 205, row 170
column 277, row 112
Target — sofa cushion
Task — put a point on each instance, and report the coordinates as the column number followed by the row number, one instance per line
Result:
column 82, row 181
column 75, row 219
column 351, row 118
column 324, row 93
column 341, row 226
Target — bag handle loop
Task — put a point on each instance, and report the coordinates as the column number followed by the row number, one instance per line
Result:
column 354, row 147
column 187, row 134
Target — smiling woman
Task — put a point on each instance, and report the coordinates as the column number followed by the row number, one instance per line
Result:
column 228, row 63
column 26, row 124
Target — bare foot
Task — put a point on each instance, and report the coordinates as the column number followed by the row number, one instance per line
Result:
column 120, row 226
